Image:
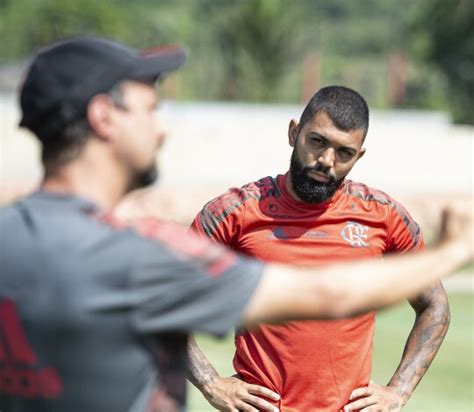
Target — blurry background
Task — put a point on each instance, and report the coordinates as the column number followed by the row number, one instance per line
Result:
column 397, row 53
column 252, row 66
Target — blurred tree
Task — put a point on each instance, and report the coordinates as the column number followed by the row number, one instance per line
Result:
column 258, row 41
column 448, row 27
column 254, row 49
column 29, row 24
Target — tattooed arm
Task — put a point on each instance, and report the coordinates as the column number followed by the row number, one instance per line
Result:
column 431, row 324
column 225, row 394
column 201, row 373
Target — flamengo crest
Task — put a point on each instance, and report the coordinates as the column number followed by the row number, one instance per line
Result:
column 355, row 234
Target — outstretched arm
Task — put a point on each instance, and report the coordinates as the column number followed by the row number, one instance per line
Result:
column 225, row 394
column 350, row 289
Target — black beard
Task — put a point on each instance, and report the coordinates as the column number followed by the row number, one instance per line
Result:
column 308, row 189
column 145, row 178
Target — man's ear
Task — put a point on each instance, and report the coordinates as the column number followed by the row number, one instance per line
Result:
column 292, row 132
column 100, row 116
column 361, row 153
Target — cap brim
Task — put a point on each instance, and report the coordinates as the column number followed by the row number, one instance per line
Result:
column 155, row 62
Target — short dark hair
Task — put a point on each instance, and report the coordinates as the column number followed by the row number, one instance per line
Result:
column 68, row 144
column 345, row 107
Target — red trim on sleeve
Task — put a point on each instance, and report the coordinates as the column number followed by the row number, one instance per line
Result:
column 214, row 258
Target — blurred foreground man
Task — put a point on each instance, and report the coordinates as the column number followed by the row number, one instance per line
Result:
column 310, row 216
column 94, row 315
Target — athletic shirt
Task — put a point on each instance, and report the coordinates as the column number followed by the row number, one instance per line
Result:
column 94, row 315
column 313, row 365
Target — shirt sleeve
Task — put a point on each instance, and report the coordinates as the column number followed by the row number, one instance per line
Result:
column 221, row 219
column 404, row 234
column 184, row 283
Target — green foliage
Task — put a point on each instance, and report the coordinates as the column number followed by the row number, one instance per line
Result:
column 258, row 41
column 449, row 45
column 29, row 24
column 254, row 49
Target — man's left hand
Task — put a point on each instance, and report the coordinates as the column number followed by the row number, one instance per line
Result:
column 375, row 398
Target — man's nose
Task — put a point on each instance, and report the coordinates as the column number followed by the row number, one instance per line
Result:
column 327, row 157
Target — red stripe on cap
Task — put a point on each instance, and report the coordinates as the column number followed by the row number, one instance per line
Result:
column 152, row 51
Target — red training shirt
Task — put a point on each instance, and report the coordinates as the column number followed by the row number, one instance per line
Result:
column 313, row 365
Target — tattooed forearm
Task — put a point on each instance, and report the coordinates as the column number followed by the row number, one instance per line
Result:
column 431, row 324
column 200, row 371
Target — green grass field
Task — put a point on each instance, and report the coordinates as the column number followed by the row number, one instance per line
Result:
column 469, row 268
column 447, row 386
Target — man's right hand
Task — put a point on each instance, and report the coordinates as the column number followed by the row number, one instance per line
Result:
column 233, row 395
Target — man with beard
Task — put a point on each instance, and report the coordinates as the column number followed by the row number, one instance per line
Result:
column 314, row 215
column 93, row 314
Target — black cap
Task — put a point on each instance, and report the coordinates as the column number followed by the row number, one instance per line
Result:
column 64, row 77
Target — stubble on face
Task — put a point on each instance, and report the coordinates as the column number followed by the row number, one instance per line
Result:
column 145, row 139
column 145, row 178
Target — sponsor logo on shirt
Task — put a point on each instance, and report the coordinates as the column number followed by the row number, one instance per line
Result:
column 273, row 210
column 295, row 232
column 20, row 372
column 355, row 234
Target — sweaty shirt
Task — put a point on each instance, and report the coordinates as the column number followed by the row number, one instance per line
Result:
column 93, row 314
column 313, row 365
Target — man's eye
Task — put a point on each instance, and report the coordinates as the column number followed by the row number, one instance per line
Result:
column 346, row 153
column 317, row 140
